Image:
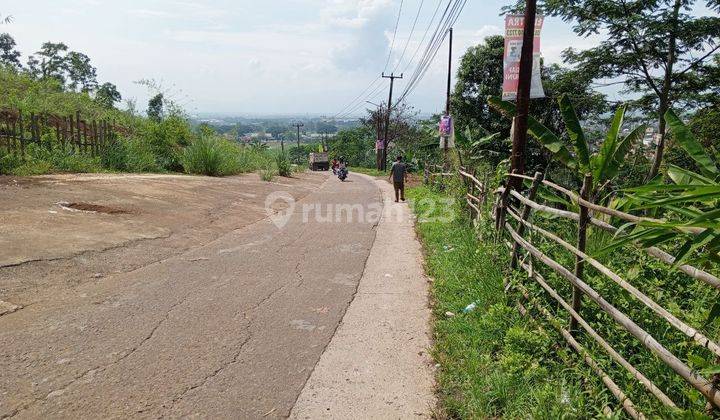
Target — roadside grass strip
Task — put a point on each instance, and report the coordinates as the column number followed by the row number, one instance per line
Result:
column 493, row 362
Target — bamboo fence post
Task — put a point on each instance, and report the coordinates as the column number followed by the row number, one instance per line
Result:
column 71, row 132
column 94, row 133
column 21, row 138
column 581, row 244
column 78, row 133
column 648, row 341
column 525, row 216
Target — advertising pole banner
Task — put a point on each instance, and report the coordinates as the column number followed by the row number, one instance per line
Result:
column 514, row 25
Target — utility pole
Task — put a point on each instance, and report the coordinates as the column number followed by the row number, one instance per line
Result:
column 520, row 122
column 392, row 77
column 282, row 143
column 298, row 125
column 377, row 118
column 449, row 77
column 447, row 103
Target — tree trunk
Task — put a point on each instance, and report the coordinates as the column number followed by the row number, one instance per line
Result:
column 665, row 93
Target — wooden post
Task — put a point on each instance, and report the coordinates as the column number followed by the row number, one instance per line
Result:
column 21, row 134
column 96, row 148
column 78, row 133
column 525, row 216
column 581, row 242
column 71, row 132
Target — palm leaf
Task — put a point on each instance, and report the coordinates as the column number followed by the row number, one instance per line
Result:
column 572, row 125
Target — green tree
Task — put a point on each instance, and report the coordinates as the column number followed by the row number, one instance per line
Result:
column 49, row 62
column 652, row 47
column 107, row 95
column 9, row 56
column 155, row 107
column 479, row 77
column 81, row 75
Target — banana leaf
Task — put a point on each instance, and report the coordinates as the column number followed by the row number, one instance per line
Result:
column 685, row 138
column 602, row 159
column 572, row 125
column 541, row 133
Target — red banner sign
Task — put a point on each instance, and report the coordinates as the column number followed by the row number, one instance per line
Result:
column 514, row 25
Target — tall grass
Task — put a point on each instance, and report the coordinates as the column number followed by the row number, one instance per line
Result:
column 45, row 159
column 493, row 362
column 284, row 167
column 215, row 156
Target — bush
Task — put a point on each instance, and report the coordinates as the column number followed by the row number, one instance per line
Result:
column 267, row 174
column 284, row 168
column 211, row 156
column 130, row 155
column 166, row 140
column 45, row 159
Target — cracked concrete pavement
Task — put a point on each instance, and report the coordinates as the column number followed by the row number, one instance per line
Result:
column 377, row 364
column 230, row 325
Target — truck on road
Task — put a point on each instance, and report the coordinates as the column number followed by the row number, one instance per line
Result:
column 319, row 161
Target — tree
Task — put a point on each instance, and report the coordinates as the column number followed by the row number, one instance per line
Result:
column 107, row 95
column 479, row 77
column 81, row 74
column 652, row 47
column 8, row 54
column 603, row 166
column 49, row 62
column 155, row 107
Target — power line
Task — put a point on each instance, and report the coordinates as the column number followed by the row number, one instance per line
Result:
column 358, row 99
column 417, row 50
column 412, row 31
column 450, row 16
column 392, row 45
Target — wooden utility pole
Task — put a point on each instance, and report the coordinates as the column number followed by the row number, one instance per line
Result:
column 298, row 125
column 520, row 122
column 392, row 77
column 282, row 143
column 447, row 103
column 377, row 118
column 449, row 76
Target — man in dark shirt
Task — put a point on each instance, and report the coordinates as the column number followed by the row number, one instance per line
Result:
column 398, row 173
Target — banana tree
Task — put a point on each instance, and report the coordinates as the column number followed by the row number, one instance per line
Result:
column 604, row 165
column 689, row 204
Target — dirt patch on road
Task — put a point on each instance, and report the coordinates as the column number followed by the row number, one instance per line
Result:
column 93, row 208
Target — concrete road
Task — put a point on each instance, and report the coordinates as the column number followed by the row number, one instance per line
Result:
column 229, row 329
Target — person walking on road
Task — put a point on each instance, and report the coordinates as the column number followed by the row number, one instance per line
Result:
column 398, row 173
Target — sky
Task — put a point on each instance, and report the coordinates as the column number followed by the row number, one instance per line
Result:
column 250, row 57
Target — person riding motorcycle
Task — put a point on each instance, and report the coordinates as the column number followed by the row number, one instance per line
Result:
column 342, row 171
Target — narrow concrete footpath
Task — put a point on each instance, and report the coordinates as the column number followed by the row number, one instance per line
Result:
column 377, row 364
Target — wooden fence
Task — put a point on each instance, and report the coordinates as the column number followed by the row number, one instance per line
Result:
column 18, row 129
column 512, row 213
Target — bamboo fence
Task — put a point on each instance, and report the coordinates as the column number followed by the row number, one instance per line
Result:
column 18, row 130
column 516, row 208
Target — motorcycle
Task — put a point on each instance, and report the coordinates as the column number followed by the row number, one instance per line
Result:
column 342, row 174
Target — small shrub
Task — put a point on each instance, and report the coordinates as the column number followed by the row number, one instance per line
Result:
column 130, row 155
column 35, row 167
column 267, row 174
column 211, row 156
column 284, row 167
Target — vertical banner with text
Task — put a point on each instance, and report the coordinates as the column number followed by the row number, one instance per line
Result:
column 514, row 25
